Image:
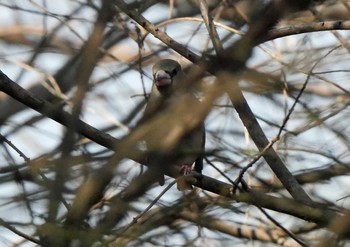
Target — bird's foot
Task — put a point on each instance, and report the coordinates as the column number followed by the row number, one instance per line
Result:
column 186, row 169
column 185, row 182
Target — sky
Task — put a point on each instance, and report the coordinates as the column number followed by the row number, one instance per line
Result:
column 112, row 100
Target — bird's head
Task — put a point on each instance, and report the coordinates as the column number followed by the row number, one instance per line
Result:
column 165, row 73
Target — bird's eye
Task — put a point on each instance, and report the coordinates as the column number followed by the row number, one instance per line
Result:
column 173, row 72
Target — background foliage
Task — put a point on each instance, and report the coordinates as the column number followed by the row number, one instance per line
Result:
column 273, row 79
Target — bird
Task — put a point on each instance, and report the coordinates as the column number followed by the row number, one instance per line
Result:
column 168, row 78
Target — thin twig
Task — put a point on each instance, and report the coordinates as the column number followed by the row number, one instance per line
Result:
column 21, row 154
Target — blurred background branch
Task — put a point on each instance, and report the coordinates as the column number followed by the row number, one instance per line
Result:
column 272, row 79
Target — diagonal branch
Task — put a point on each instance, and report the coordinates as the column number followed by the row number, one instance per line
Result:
column 52, row 111
column 317, row 214
column 209, row 23
column 233, row 60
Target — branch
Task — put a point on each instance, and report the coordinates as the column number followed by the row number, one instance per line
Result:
column 52, row 111
column 233, row 60
column 243, row 231
column 183, row 209
column 318, row 214
column 306, row 28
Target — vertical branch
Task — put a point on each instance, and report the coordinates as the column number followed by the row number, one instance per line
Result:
column 208, row 20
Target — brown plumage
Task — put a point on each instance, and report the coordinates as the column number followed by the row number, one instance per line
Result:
column 166, row 89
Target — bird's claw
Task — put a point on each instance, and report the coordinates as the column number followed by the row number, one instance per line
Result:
column 186, row 169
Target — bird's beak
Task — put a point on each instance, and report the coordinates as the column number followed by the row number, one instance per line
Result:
column 162, row 78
